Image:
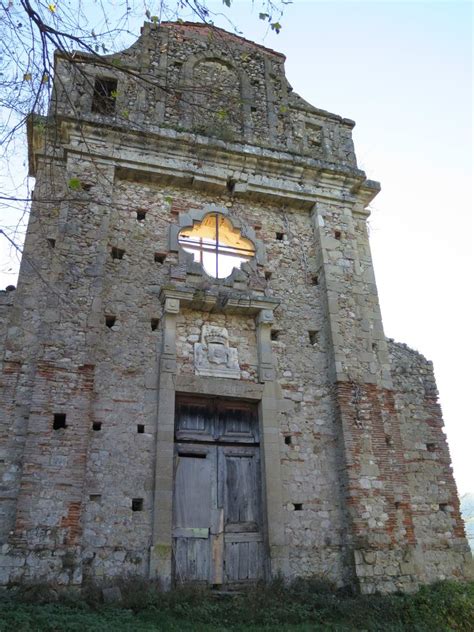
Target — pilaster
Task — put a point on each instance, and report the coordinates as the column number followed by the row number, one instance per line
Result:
column 375, row 491
column 161, row 547
column 269, row 413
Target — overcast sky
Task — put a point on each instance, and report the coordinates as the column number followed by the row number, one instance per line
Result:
column 403, row 72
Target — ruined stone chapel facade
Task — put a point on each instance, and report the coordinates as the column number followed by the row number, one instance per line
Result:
column 195, row 380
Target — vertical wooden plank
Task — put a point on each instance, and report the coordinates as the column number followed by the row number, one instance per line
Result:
column 193, row 493
column 231, row 562
column 193, row 489
column 243, row 549
column 217, row 570
column 256, row 560
column 242, row 493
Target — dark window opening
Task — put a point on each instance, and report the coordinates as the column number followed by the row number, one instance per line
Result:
column 140, row 428
column 274, row 335
column 160, row 257
column 431, row 447
column 288, row 440
column 230, row 185
column 253, row 108
column 96, row 426
column 141, row 216
column 51, row 242
column 374, row 346
column 117, row 253
column 137, row 504
column 268, row 275
column 154, row 323
column 314, row 280
column 105, row 93
column 443, row 507
column 59, row 421
column 110, row 321
column 95, row 497
column 337, row 234
column 388, row 441
column 192, row 455
column 280, row 236
column 397, row 505
column 298, row 506
column 313, row 337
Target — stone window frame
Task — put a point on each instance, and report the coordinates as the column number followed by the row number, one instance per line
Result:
column 104, row 104
column 186, row 259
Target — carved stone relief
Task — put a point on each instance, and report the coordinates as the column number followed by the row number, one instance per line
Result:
column 213, row 356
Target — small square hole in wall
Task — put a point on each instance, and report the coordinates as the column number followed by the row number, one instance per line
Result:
column 140, row 428
column 337, row 234
column 288, row 440
column 374, row 346
column 274, row 335
column 160, row 257
column 389, row 441
column 315, row 279
column 96, row 426
column 280, row 236
column 51, row 242
column 154, row 322
column 397, row 505
column 117, row 253
column 110, row 321
column 141, row 215
column 268, row 275
column 137, row 504
column 298, row 506
column 313, row 337
column 95, row 498
column 431, row 447
column 59, row 421
column 443, row 507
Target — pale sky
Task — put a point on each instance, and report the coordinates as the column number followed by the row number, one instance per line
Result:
column 403, row 72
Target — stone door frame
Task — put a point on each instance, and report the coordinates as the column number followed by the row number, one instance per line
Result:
column 266, row 393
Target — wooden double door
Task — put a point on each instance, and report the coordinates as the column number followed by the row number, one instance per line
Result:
column 217, row 505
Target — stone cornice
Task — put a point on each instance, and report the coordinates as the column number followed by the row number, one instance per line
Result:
column 214, row 301
column 207, row 163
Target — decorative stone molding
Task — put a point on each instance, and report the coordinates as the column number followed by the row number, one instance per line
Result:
column 261, row 307
column 213, row 356
column 250, row 303
column 187, row 220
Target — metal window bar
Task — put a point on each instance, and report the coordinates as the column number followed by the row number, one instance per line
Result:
column 199, row 246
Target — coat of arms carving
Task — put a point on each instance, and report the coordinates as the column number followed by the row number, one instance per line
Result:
column 213, row 356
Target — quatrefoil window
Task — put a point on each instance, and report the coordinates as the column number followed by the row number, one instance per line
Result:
column 216, row 245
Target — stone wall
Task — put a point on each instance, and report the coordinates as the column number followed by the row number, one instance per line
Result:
column 6, row 301
column 437, row 524
column 109, row 310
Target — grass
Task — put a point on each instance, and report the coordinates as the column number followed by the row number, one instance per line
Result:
column 302, row 606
